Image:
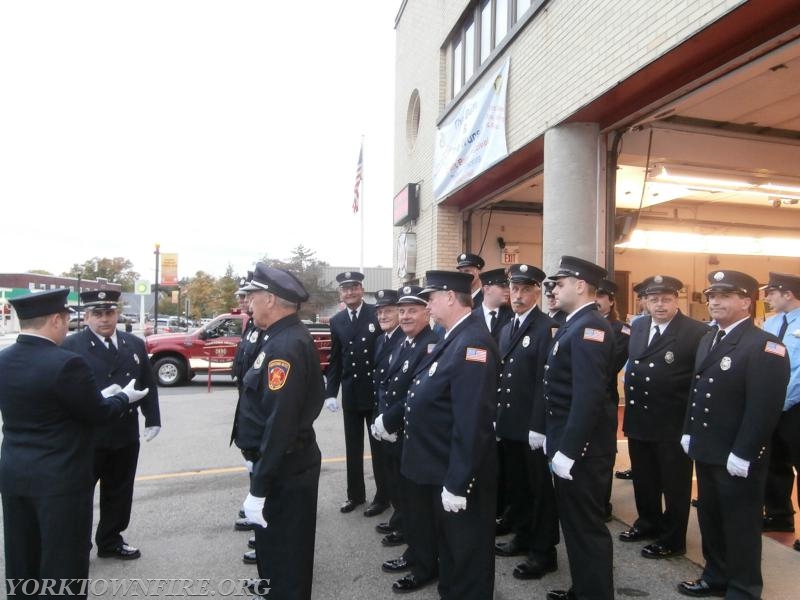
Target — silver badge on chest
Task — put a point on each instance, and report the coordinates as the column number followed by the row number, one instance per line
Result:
column 432, row 370
column 372, row 327
column 725, row 363
column 669, row 358
column 526, row 341
column 253, row 337
column 259, row 361
column 136, row 359
column 555, row 348
column 405, row 366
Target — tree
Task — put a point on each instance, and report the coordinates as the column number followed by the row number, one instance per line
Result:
column 202, row 293
column 304, row 264
column 39, row 271
column 115, row 270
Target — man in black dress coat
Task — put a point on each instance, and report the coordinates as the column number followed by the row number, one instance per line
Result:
column 50, row 405
column 740, row 378
column 116, row 357
column 520, row 412
column 418, row 340
column 494, row 310
column 580, row 428
column 282, row 395
column 449, row 447
column 466, row 262
column 658, row 378
column 353, row 335
column 559, row 316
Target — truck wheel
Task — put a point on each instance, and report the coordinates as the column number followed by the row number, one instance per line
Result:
column 169, row 371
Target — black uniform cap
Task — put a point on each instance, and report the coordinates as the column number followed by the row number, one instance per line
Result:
column 607, row 288
column 281, row 283
column 467, row 259
column 409, row 294
column 571, row 266
column 39, row 304
column 660, row 284
column 99, row 299
column 349, row 277
column 386, row 298
column 783, row 282
column 639, row 289
column 494, row 277
column 522, row 273
column 243, row 282
column 439, row 281
column 731, row 281
column 548, row 285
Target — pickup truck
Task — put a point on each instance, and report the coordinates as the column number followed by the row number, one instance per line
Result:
column 178, row 357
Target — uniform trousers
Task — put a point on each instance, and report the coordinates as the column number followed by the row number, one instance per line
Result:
column 47, row 538
column 285, row 548
column 582, row 510
column 394, row 487
column 115, row 469
column 662, row 468
column 783, row 459
column 355, row 422
column 729, row 511
column 533, row 502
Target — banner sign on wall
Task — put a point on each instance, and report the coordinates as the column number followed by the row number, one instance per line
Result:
column 473, row 138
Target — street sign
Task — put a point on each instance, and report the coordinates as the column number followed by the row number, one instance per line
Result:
column 141, row 287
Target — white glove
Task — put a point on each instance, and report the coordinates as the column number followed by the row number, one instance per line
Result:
column 685, row 438
column 389, row 437
column 544, row 446
column 114, row 388
column 562, row 465
column 379, row 428
column 737, row 467
column 254, row 510
column 374, row 432
column 452, row 503
column 150, row 433
column 536, row 440
column 331, row 405
column 248, row 464
column 132, row 394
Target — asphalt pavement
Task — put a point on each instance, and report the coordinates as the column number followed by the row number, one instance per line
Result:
column 190, row 485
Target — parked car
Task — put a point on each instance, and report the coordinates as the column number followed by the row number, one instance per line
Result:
column 178, row 357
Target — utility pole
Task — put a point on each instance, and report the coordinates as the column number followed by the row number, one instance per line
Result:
column 155, row 288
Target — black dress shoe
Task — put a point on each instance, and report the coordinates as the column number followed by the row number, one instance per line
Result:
column 393, row 539
column 243, row 524
column 535, row 569
column 634, row 534
column 409, row 583
column 777, row 524
column 249, row 557
column 796, row 545
column 395, row 565
column 350, row 505
column 122, row 552
column 700, row 588
column 657, row 550
column 502, row 526
column 627, row 474
column 510, row 548
column 384, row 528
column 561, row 595
column 374, row 509
column 251, row 543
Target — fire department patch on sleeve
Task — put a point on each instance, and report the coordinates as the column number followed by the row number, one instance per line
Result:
column 594, row 335
column 775, row 348
column 277, row 372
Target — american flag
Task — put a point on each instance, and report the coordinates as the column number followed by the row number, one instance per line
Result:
column 359, row 175
column 594, row 335
column 775, row 348
column 476, row 354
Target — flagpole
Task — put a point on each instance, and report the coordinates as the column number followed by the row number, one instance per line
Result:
column 363, row 198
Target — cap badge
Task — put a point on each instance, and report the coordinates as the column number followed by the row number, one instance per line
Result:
column 725, row 363
column 669, row 357
column 406, row 290
column 372, row 327
column 526, row 341
column 462, row 257
column 347, row 274
column 719, row 276
column 432, row 370
column 380, row 294
column 523, row 269
column 658, row 279
column 101, row 295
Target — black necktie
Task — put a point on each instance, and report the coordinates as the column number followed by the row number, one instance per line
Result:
column 353, row 316
column 656, row 335
column 784, row 327
column 515, row 327
column 111, row 347
column 492, row 320
column 718, row 337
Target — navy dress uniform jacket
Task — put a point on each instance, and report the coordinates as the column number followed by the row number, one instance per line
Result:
column 658, row 378
column 580, row 410
column 448, row 421
column 129, row 362
column 385, row 351
column 520, row 399
column 50, row 405
column 737, row 395
column 351, row 358
column 504, row 315
column 394, row 387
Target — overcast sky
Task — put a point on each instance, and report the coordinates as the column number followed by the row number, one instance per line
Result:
column 222, row 130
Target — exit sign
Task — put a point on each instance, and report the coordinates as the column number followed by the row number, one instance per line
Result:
column 509, row 255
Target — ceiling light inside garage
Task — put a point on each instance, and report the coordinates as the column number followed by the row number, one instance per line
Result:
column 721, row 180
column 672, row 241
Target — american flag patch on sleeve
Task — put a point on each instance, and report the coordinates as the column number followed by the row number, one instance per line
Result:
column 476, row 354
column 775, row 348
column 594, row 335
column 626, row 330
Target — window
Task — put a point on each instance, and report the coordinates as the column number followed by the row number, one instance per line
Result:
column 469, row 51
column 458, row 72
column 486, row 30
column 412, row 120
column 500, row 20
column 522, row 6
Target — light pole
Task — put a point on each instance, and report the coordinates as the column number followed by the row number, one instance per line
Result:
column 155, row 288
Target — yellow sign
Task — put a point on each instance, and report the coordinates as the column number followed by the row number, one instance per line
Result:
column 169, row 269
column 141, row 287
